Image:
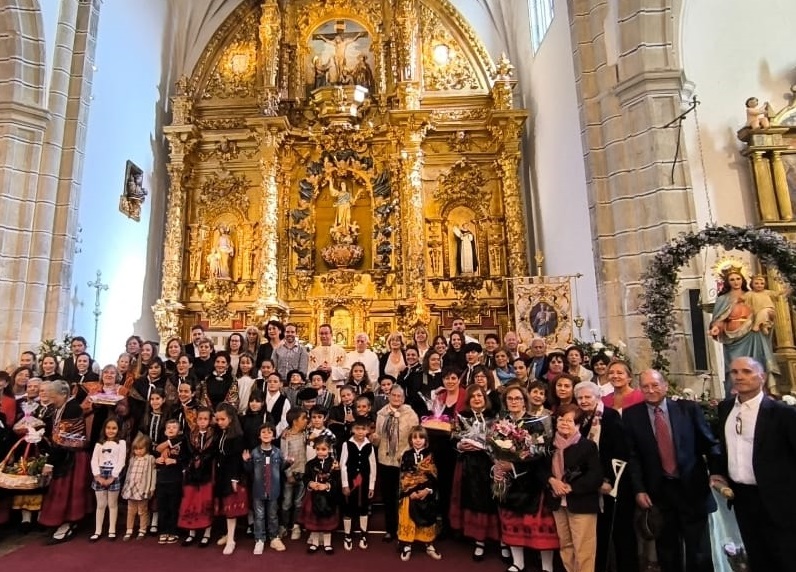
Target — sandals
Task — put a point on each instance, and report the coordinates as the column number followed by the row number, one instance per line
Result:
column 406, row 553
column 163, row 539
column 348, row 543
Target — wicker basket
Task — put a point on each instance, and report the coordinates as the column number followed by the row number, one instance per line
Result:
column 21, row 482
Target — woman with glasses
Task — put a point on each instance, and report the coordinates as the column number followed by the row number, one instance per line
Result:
column 524, row 521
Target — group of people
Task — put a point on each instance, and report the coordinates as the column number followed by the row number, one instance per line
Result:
column 284, row 442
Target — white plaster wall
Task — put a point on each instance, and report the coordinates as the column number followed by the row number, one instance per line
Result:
column 125, row 110
column 559, row 175
column 730, row 53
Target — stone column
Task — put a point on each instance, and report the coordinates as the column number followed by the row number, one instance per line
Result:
column 270, row 133
column 635, row 207
column 71, row 105
column 781, row 186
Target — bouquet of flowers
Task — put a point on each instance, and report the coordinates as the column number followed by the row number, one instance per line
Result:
column 471, row 430
column 736, row 554
column 511, row 443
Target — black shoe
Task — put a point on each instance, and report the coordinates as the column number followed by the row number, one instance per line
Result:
column 387, row 537
column 204, row 542
column 188, row 540
column 26, row 527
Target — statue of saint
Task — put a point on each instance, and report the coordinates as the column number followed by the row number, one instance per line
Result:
column 466, row 257
column 363, row 75
column 220, row 258
column 733, row 325
column 321, row 73
column 342, row 204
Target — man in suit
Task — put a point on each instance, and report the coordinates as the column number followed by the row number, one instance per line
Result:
column 538, row 353
column 758, row 438
column 668, row 442
column 197, row 333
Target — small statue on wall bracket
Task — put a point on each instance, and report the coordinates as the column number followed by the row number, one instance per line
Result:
column 757, row 115
column 133, row 194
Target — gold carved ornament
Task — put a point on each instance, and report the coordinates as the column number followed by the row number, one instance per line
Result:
column 235, row 73
column 463, row 184
column 445, row 66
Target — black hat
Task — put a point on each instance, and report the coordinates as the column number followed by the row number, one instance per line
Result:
column 324, row 374
column 473, row 347
column 307, row 394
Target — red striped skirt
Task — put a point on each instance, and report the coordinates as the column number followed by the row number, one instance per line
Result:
column 536, row 531
column 234, row 505
column 68, row 497
column 479, row 526
column 312, row 521
column 196, row 507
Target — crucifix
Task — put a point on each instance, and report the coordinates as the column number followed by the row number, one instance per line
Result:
column 99, row 287
column 76, row 303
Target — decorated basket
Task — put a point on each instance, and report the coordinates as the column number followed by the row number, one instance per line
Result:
column 26, row 473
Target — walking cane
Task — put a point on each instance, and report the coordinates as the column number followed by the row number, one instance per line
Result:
column 619, row 468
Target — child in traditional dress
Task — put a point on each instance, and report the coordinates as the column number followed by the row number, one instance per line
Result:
column 172, row 455
column 139, row 486
column 363, row 407
column 341, row 416
column 317, row 381
column 253, row 419
column 187, row 406
column 294, row 448
column 265, row 462
column 358, row 480
column 417, row 511
column 319, row 513
column 233, row 500
column 196, row 508
column 107, row 463
column 296, row 380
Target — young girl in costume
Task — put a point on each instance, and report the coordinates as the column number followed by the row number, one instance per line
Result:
column 196, row 508
column 417, row 511
column 319, row 511
column 233, row 500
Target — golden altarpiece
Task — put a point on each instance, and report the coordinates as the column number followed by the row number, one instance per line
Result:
column 772, row 157
column 344, row 161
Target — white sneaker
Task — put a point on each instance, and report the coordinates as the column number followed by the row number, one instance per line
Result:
column 259, row 546
column 295, row 533
column 222, row 541
column 278, row 545
column 229, row 548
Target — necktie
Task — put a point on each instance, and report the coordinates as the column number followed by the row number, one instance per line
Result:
column 665, row 444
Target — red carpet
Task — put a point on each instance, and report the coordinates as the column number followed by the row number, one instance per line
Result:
column 79, row 555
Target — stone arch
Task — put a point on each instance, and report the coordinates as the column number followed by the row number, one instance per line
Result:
column 23, row 59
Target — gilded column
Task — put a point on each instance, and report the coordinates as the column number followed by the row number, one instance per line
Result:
column 781, row 186
column 407, row 39
column 270, row 32
column 507, row 127
column 270, row 133
column 765, row 187
column 182, row 137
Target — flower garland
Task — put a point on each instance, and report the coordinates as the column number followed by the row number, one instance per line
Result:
column 660, row 281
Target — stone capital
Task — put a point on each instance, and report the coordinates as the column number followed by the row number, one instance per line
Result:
column 650, row 83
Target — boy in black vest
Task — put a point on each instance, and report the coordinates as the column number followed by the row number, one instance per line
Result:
column 358, row 475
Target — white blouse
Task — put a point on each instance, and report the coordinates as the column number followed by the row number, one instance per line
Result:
column 109, row 454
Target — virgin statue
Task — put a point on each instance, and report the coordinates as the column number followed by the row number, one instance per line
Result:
column 732, row 326
column 220, row 258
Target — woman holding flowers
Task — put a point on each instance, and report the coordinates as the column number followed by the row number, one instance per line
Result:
column 524, row 521
column 473, row 511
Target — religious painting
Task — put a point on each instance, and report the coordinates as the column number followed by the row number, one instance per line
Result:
column 340, row 54
column 543, row 308
column 789, row 161
column 133, row 193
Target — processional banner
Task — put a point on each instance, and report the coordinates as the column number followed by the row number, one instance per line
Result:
column 543, row 308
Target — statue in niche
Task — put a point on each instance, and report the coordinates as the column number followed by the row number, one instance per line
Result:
column 495, row 249
column 321, row 72
column 196, row 238
column 251, row 252
column 363, row 75
column 466, row 256
column 220, row 258
column 344, row 230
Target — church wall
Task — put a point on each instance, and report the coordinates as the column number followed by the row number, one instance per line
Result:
column 731, row 53
column 50, row 10
column 558, row 172
column 124, row 114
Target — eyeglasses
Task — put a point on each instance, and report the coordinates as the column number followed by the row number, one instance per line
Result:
column 738, row 424
column 515, row 398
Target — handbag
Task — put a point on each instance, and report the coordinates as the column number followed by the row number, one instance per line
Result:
column 423, row 512
column 322, row 505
